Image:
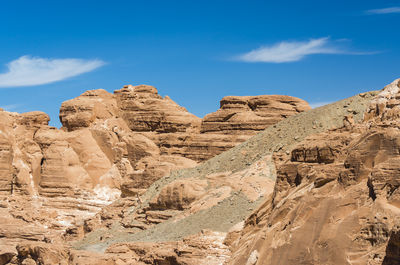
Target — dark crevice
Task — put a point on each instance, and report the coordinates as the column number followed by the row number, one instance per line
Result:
column 229, row 116
column 167, row 261
column 392, row 189
column 253, row 106
column 13, row 183
column 297, row 180
column 372, row 193
column 392, row 255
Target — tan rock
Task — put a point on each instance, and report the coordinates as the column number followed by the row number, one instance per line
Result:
column 179, row 194
column 198, row 147
column 144, row 111
column 205, row 248
column 139, row 146
column 45, row 254
column 34, row 119
column 62, row 181
column 82, row 111
column 341, row 211
column 247, row 115
column 6, row 170
column 7, row 254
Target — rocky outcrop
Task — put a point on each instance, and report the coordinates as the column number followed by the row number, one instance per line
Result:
column 158, row 136
column 58, row 184
column 171, row 127
column 179, row 194
column 183, row 197
column 205, row 248
column 6, row 170
column 86, row 109
column 223, row 191
column 146, row 111
column 320, row 187
column 247, row 115
column 335, row 200
column 150, row 169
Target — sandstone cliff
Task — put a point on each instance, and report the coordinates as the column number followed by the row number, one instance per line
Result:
column 161, row 136
column 51, row 180
column 320, row 187
column 217, row 195
column 336, row 197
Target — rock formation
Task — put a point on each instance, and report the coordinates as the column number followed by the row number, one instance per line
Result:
column 320, row 187
column 335, row 199
column 56, row 184
column 161, row 136
column 247, row 115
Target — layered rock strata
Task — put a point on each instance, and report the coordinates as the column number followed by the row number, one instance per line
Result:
column 161, row 136
column 53, row 182
column 247, row 115
column 221, row 192
column 336, row 197
column 333, row 198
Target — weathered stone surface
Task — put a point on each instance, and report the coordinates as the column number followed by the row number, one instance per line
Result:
column 174, row 130
column 198, row 147
column 205, row 248
column 343, row 209
column 150, row 169
column 6, row 170
column 84, row 110
column 34, row 119
column 44, row 254
column 325, row 223
column 146, row 111
column 58, row 183
column 313, row 150
column 247, row 115
column 179, row 194
column 385, row 107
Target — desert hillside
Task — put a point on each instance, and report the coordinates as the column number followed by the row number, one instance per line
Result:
column 134, row 178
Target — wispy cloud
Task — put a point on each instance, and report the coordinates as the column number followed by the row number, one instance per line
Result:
column 293, row 51
column 319, row 104
column 381, row 11
column 31, row 71
column 10, row 107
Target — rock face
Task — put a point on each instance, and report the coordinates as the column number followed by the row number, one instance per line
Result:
column 84, row 110
column 161, row 136
column 55, row 184
column 205, row 248
column 146, row 111
column 247, row 115
column 336, row 198
column 321, row 187
column 222, row 192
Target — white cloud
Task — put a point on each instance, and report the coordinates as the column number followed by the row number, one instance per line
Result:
column 31, row 71
column 10, row 107
column 286, row 51
column 389, row 10
column 319, row 104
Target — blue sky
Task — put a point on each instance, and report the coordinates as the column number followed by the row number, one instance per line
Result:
column 195, row 51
